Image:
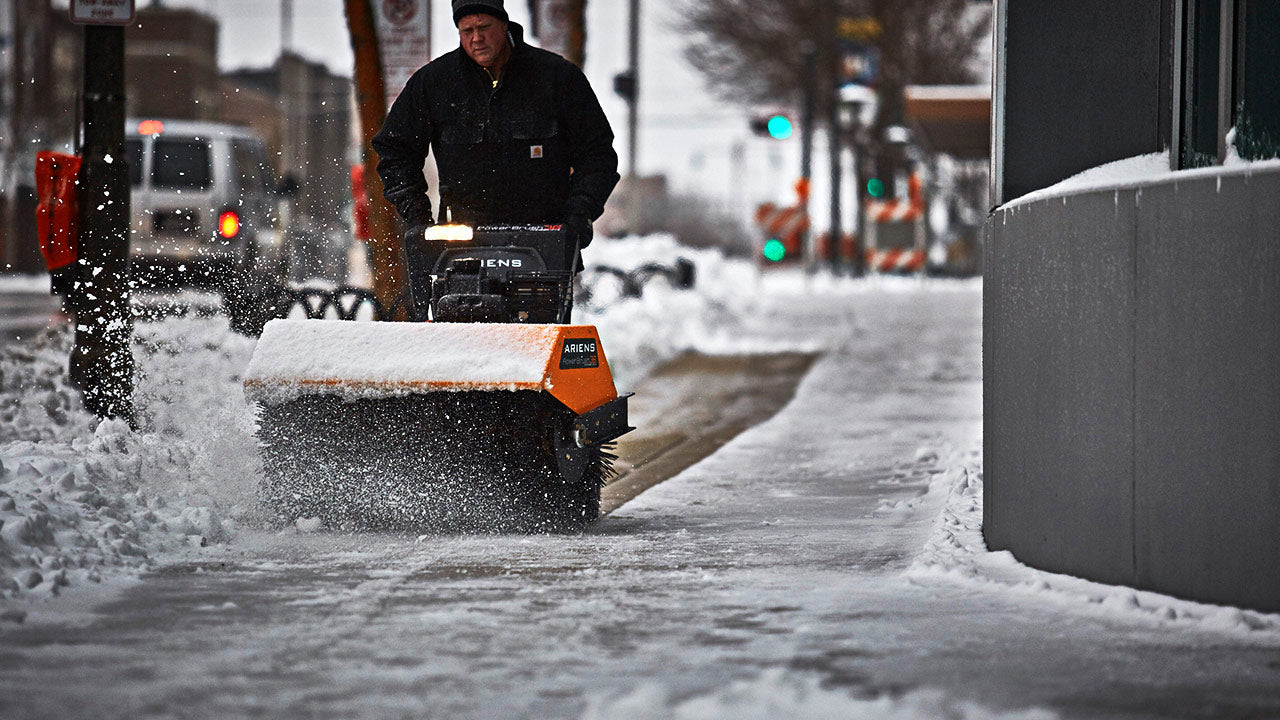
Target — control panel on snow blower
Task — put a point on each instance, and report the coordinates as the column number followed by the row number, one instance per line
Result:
column 493, row 274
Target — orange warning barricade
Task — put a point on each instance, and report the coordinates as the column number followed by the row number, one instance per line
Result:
column 57, row 214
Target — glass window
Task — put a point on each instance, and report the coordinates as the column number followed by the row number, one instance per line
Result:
column 1258, row 114
column 180, row 164
column 1203, row 22
column 133, row 156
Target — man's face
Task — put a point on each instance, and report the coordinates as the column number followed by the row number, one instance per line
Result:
column 483, row 37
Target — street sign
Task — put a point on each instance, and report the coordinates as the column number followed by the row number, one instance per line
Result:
column 404, row 38
column 102, row 12
column 859, row 63
column 859, row 29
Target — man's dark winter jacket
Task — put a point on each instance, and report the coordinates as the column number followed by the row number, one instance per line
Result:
column 535, row 149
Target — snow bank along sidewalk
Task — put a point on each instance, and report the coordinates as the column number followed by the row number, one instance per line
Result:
column 82, row 499
column 956, row 552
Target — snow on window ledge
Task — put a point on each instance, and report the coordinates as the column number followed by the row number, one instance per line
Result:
column 1139, row 171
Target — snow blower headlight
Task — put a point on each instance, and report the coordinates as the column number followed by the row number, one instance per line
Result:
column 450, row 233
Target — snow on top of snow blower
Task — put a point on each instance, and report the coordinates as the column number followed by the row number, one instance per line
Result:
column 368, row 360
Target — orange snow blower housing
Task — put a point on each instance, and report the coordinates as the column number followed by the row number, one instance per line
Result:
column 492, row 416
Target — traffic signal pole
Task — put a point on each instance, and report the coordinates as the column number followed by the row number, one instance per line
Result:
column 633, row 102
column 102, row 360
column 807, row 122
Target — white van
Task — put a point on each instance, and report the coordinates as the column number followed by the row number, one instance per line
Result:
column 205, row 204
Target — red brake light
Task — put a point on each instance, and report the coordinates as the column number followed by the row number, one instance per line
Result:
column 150, row 127
column 228, row 224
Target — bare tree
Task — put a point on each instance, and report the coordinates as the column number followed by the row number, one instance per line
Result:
column 752, row 51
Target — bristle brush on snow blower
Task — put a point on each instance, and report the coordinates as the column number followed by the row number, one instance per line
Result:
column 491, row 418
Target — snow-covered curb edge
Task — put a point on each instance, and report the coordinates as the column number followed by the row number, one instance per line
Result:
column 957, row 552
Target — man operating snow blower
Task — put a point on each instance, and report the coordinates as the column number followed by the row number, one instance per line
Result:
column 496, row 415
column 518, row 134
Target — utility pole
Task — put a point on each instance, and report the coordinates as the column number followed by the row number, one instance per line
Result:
column 286, row 26
column 385, row 242
column 102, row 359
column 835, row 145
column 633, row 102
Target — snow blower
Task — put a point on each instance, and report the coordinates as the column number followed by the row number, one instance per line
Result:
column 488, row 415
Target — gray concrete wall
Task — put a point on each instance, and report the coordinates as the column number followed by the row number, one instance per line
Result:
column 1085, row 82
column 1132, row 386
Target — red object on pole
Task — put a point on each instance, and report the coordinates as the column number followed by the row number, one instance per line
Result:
column 360, row 207
column 58, row 213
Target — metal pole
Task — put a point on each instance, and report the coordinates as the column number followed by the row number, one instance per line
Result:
column 633, row 102
column 860, row 203
column 834, row 143
column 102, row 359
column 807, row 122
column 286, row 26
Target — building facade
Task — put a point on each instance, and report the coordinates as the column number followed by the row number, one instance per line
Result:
column 303, row 111
column 1132, row 318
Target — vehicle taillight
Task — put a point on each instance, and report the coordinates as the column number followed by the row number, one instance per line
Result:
column 228, row 224
column 150, row 127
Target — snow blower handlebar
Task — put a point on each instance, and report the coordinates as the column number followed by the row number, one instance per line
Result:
column 521, row 274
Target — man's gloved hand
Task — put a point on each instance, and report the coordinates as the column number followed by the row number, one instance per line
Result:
column 417, row 230
column 577, row 229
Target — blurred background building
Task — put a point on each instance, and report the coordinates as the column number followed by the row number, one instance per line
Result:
column 40, row 63
column 300, row 108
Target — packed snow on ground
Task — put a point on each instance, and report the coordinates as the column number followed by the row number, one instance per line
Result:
column 779, row 693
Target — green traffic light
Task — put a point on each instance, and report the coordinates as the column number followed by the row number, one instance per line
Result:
column 779, row 127
column 774, row 250
column 875, row 187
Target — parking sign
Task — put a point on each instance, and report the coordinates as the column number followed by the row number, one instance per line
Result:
column 102, row 12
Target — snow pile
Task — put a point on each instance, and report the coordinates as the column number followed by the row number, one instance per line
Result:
column 781, row 693
column 957, row 552
column 640, row 332
column 79, row 497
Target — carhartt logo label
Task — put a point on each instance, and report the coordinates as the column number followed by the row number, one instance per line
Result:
column 535, row 151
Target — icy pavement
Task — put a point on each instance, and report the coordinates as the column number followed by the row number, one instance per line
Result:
column 824, row 564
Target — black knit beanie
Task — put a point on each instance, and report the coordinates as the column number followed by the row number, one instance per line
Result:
column 463, row 8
